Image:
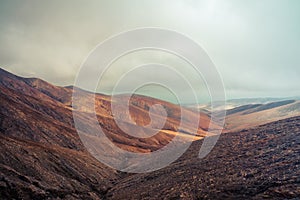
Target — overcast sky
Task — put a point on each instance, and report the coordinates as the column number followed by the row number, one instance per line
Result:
column 255, row 44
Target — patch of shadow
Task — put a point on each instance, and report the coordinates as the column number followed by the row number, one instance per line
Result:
column 242, row 108
column 269, row 106
column 293, row 108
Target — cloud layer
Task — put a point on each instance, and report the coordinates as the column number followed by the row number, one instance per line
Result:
column 255, row 45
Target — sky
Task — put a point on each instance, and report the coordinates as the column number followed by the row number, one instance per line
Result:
column 255, row 45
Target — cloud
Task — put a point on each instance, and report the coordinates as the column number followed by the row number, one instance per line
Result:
column 255, row 45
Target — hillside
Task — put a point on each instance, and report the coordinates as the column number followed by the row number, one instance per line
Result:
column 252, row 115
column 41, row 153
column 42, row 157
column 32, row 105
column 259, row 163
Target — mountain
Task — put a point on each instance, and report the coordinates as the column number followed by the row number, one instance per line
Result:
column 234, row 103
column 41, row 153
column 252, row 115
column 42, row 156
column 33, row 105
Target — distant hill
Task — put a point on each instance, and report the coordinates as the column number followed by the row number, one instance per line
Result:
column 233, row 103
column 252, row 115
column 252, row 112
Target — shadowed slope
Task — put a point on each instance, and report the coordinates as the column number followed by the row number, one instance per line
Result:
column 262, row 162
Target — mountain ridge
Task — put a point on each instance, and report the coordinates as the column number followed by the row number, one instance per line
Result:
column 42, row 157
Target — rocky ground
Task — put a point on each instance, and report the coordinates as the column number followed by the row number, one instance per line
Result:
column 259, row 163
column 42, row 157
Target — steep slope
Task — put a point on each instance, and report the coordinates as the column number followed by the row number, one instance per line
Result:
column 31, row 170
column 262, row 162
column 35, row 106
column 41, row 155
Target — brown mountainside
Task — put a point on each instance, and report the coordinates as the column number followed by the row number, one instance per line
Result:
column 42, row 157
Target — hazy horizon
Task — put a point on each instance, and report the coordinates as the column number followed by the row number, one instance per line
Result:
column 267, row 99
